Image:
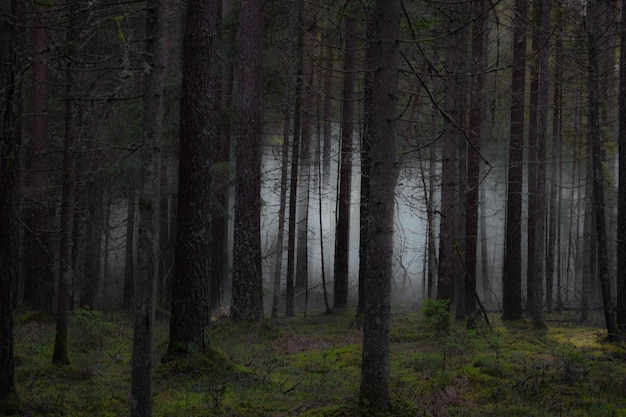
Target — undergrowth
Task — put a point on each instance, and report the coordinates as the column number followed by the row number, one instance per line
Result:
column 310, row 366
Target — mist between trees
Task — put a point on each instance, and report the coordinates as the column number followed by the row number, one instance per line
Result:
column 272, row 158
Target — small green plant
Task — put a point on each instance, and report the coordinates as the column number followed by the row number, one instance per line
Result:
column 436, row 315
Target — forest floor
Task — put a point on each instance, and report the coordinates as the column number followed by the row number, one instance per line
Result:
column 310, row 366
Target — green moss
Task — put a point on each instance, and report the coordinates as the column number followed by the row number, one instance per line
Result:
column 327, row 360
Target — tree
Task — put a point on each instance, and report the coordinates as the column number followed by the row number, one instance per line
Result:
column 198, row 137
column 61, row 342
column 591, row 23
column 368, row 86
column 473, row 157
column 512, row 278
column 304, row 176
column 450, row 179
column 39, row 212
column 284, row 170
column 542, row 133
column 9, row 401
column 129, row 258
column 149, row 198
column 374, row 387
column 293, row 180
column 342, row 239
column 247, row 285
column 621, row 202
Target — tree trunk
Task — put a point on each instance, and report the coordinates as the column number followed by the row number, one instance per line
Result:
column 598, row 175
column 284, row 170
column 247, row 280
column 532, row 258
column 149, row 201
column 61, row 354
column 304, row 176
column 512, row 279
column 366, row 145
column 328, row 107
column 552, row 255
column 199, row 136
column 342, row 236
column 621, row 202
column 39, row 213
column 92, row 247
column 9, row 401
column 293, row 180
column 473, row 156
column 448, row 252
column 542, row 133
column 129, row 258
column 374, row 387
column 222, row 175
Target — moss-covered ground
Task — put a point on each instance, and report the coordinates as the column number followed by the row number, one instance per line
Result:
column 310, row 366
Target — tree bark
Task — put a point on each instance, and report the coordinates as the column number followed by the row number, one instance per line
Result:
column 284, row 170
column 448, row 252
column 293, row 180
column 374, row 387
column 199, row 136
column 366, row 146
column 473, row 156
column 247, row 280
column 149, row 201
column 621, row 202
column 542, row 134
column 61, row 354
column 512, row 279
column 304, row 176
column 342, row 236
column 591, row 22
column 9, row 401
column 39, row 213
column 129, row 258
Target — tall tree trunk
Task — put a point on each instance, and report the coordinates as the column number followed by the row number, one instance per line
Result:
column 304, row 176
column 39, row 213
column 129, row 258
column 295, row 161
column 9, row 401
column 149, row 202
column 447, row 238
column 247, row 291
column 552, row 255
column 284, row 170
column 366, row 145
column 531, row 174
column 342, row 236
column 92, row 246
column 374, row 387
column 591, row 22
column 542, row 133
column 328, row 106
column 621, row 202
column 61, row 354
column 222, row 174
column 512, row 278
column 473, row 156
column 199, row 137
